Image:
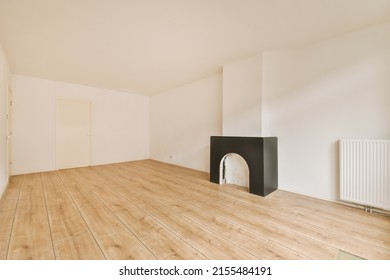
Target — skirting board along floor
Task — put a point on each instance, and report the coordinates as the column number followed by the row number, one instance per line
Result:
column 152, row 210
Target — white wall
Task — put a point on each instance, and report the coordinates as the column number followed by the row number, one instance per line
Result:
column 120, row 123
column 182, row 121
column 4, row 82
column 242, row 98
column 318, row 94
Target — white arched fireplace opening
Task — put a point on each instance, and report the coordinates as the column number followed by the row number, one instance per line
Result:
column 234, row 170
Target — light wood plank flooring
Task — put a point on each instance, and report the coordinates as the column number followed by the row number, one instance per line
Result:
column 152, row 210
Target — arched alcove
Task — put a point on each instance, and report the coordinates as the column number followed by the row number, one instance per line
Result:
column 234, row 170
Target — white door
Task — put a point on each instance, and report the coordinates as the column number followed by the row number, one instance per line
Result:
column 9, row 133
column 73, row 132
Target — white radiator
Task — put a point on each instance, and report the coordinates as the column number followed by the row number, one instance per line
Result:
column 365, row 172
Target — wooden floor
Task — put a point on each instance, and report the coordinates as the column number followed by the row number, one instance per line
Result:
column 151, row 210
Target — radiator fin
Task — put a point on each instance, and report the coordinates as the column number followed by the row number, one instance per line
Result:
column 365, row 172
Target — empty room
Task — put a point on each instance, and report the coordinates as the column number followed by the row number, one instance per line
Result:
column 194, row 130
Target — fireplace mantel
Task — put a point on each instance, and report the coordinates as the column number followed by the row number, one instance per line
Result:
column 260, row 153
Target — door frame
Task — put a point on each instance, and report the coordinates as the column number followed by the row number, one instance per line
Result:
column 9, row 130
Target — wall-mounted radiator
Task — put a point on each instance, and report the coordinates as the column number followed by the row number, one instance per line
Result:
column 365, row 172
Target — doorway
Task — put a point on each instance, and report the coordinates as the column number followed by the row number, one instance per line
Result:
column 73, row 133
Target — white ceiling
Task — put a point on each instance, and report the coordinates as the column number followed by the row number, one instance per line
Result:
column 147, row 46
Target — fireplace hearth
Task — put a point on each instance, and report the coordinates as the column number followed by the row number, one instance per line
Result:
column 260, row 153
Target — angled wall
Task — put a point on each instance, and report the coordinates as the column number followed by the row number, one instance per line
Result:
column 4, row 84
column 182, row 121
column 317, row 94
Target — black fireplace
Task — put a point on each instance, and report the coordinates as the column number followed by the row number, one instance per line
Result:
column 260, row 153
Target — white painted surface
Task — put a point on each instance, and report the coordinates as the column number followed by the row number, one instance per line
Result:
column 242, row 99
column 4, row 83
column 183, row 119
column 320, row 93
column 120, row 123
column 364, row 172
column 151, row 46
column 9, row 130
column 73, row 133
